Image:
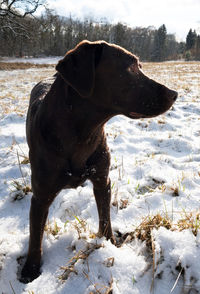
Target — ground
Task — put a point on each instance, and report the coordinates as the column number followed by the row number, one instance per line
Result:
column 155, row 174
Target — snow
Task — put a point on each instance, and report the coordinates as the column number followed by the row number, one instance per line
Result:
column 36, row 60
column 150, row 159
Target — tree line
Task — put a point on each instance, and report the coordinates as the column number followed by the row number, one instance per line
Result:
column 53, row 35
column 192, row 45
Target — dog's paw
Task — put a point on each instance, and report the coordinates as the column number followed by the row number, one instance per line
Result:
column 113, row 240
column 29, row 273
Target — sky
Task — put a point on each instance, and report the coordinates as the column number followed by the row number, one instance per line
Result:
column 178, row 15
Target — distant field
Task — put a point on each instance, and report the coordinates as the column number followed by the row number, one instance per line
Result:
column 17, row 80
column 16, row 86
column 21, row 65
column 183, row 76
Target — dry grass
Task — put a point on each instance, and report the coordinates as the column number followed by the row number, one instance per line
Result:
column 52, row 228
column 16, row 86
column 181, row 76
column 83, row 255
column 80, row 255
column 20, row 190
column 188, row 221
column 18, row 79
column 22, row 65
column 143, row 231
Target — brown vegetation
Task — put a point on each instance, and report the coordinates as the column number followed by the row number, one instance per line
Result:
column 21, row 65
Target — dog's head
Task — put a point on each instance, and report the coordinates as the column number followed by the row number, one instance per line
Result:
column 111, row 77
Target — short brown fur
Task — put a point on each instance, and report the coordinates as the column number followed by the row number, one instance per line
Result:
column 65, row 129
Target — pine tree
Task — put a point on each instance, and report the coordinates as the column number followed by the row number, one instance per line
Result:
column 197, row 51
column 159, row 50
column 191, row 39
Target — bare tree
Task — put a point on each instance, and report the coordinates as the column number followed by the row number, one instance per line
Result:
column 51, row 34
column 15, row 16
column 16, row 24
column 19, row 8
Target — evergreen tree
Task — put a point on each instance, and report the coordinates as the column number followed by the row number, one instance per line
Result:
column 159, row 48
column 119, row 33
column 191, row 39
column 197, row 51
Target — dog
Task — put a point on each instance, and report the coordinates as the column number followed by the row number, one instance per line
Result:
column 65, row 129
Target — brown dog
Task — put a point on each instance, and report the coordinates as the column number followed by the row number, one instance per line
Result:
column 65, row 129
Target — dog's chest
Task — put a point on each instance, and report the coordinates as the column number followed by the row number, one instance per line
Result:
column 75, row 178
column 81, row 167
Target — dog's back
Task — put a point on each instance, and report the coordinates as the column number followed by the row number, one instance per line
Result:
column 41, row 89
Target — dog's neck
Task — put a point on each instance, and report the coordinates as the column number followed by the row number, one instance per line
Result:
column 84, row 115
column 80, row 121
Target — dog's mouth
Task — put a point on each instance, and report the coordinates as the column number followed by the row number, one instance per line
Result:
column 136, row 115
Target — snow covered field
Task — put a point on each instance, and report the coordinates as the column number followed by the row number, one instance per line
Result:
column 155, row 176
column 41, row 60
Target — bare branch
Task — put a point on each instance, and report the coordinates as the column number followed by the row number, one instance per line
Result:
column 17, row 28
column 19, row 8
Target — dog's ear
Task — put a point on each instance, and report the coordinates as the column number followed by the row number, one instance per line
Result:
column 77, row 68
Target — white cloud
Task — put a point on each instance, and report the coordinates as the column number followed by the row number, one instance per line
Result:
column 178, row 16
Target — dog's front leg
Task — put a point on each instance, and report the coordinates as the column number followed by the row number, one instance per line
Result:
column 38, row 216
column 102, row 193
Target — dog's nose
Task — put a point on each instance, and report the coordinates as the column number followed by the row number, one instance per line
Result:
column 173, row 95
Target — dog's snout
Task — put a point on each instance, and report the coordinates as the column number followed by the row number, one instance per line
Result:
column 173, row 95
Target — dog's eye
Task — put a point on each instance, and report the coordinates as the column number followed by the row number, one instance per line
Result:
column 133, row 68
